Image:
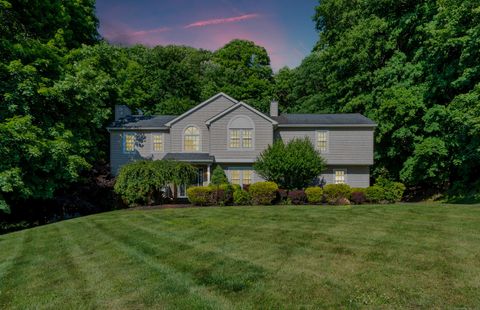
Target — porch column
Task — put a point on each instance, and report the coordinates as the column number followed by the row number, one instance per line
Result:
column 208, row 174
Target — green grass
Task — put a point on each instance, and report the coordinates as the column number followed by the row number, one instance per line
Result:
column 412, row 255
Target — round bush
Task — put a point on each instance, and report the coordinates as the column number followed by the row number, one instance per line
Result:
column 222, row 194
column 375, row 194
column 358, row 197
column 297, row 197
column 314, row 194
column 335, row 192
column 263, row 193
column 242, row 198
column 199, row 195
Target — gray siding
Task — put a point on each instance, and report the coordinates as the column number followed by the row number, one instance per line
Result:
column 198, row 119
column 262, row 137
column 347, row 146
column 356, row 176
column 143, row 148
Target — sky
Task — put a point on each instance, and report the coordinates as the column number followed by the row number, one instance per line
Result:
column 284, row 27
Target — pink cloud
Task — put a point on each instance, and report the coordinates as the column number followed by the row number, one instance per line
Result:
column 218, row 21
column 150, row 31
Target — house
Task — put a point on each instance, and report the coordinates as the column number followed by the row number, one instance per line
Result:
column 223, row 131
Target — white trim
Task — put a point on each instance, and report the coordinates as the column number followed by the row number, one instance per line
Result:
column 241, row 169
column 345, row 179
column 176, row 119
column 240, row 104
column 199, row 139
column 153, row 141
column 328, row 141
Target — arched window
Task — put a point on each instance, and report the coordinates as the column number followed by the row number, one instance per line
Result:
column 240, row 133
column 191, row 139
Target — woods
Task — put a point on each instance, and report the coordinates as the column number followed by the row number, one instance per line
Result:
column 411, row 66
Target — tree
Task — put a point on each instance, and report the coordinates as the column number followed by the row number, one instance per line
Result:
column 218, row 176
column 141, row 181
column 411, row 66
column 292, row 165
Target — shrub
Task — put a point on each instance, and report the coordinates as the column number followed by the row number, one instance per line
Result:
column 334, row 192
column 199, row 195
column 140, row 182
column 282, row 195
column 393, row 190
column 314, row 194
column 297, row 197
column 292, row 165
column 375, row 194
column 358, row 197
column 242, row 198
column 218, row 176
column 222, row 194
column 263, row 193
column 342, row 201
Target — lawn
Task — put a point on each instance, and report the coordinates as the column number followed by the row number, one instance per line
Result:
column 412, row 255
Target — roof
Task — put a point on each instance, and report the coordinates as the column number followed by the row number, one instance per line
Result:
column 240, row 104
column 175, row 119
column 143, row 122
column 190, row 157
column 306, row 120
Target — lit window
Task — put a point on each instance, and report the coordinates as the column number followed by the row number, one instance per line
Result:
column 158, row 142
column 340, row 176
column 241, row 138
column 129, row 142
column 247, row 138
column 235, row 138
column 235, row 176
column 191, row 139
column 322, row 141
column 247, row 177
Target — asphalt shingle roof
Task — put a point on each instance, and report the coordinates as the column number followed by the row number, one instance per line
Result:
column 324, row 119
column 143, row 121
column 190, row 157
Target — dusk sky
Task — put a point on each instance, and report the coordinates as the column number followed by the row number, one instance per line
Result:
column 284, row 27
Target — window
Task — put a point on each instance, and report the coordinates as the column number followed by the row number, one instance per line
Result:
column 191, row 139
column 240, row 133
column 128, row 142
column 241, row 138
column 247, row 177
column 322, row 141
column 157, row 140
column 235, row 176
column 339, row 176
column 235, row 138
column 241, row 176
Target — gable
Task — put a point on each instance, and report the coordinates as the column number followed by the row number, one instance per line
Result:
column 236, row 107
column 212, row 100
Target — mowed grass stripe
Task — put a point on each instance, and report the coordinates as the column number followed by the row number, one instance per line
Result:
column 154, row 281
column 401, row 256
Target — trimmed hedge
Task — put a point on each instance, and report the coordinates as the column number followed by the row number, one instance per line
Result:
column 263, row 193
column 242, row 198
column 199, row 195
column 314, row 194
column 375, row 194
column 336, row 192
